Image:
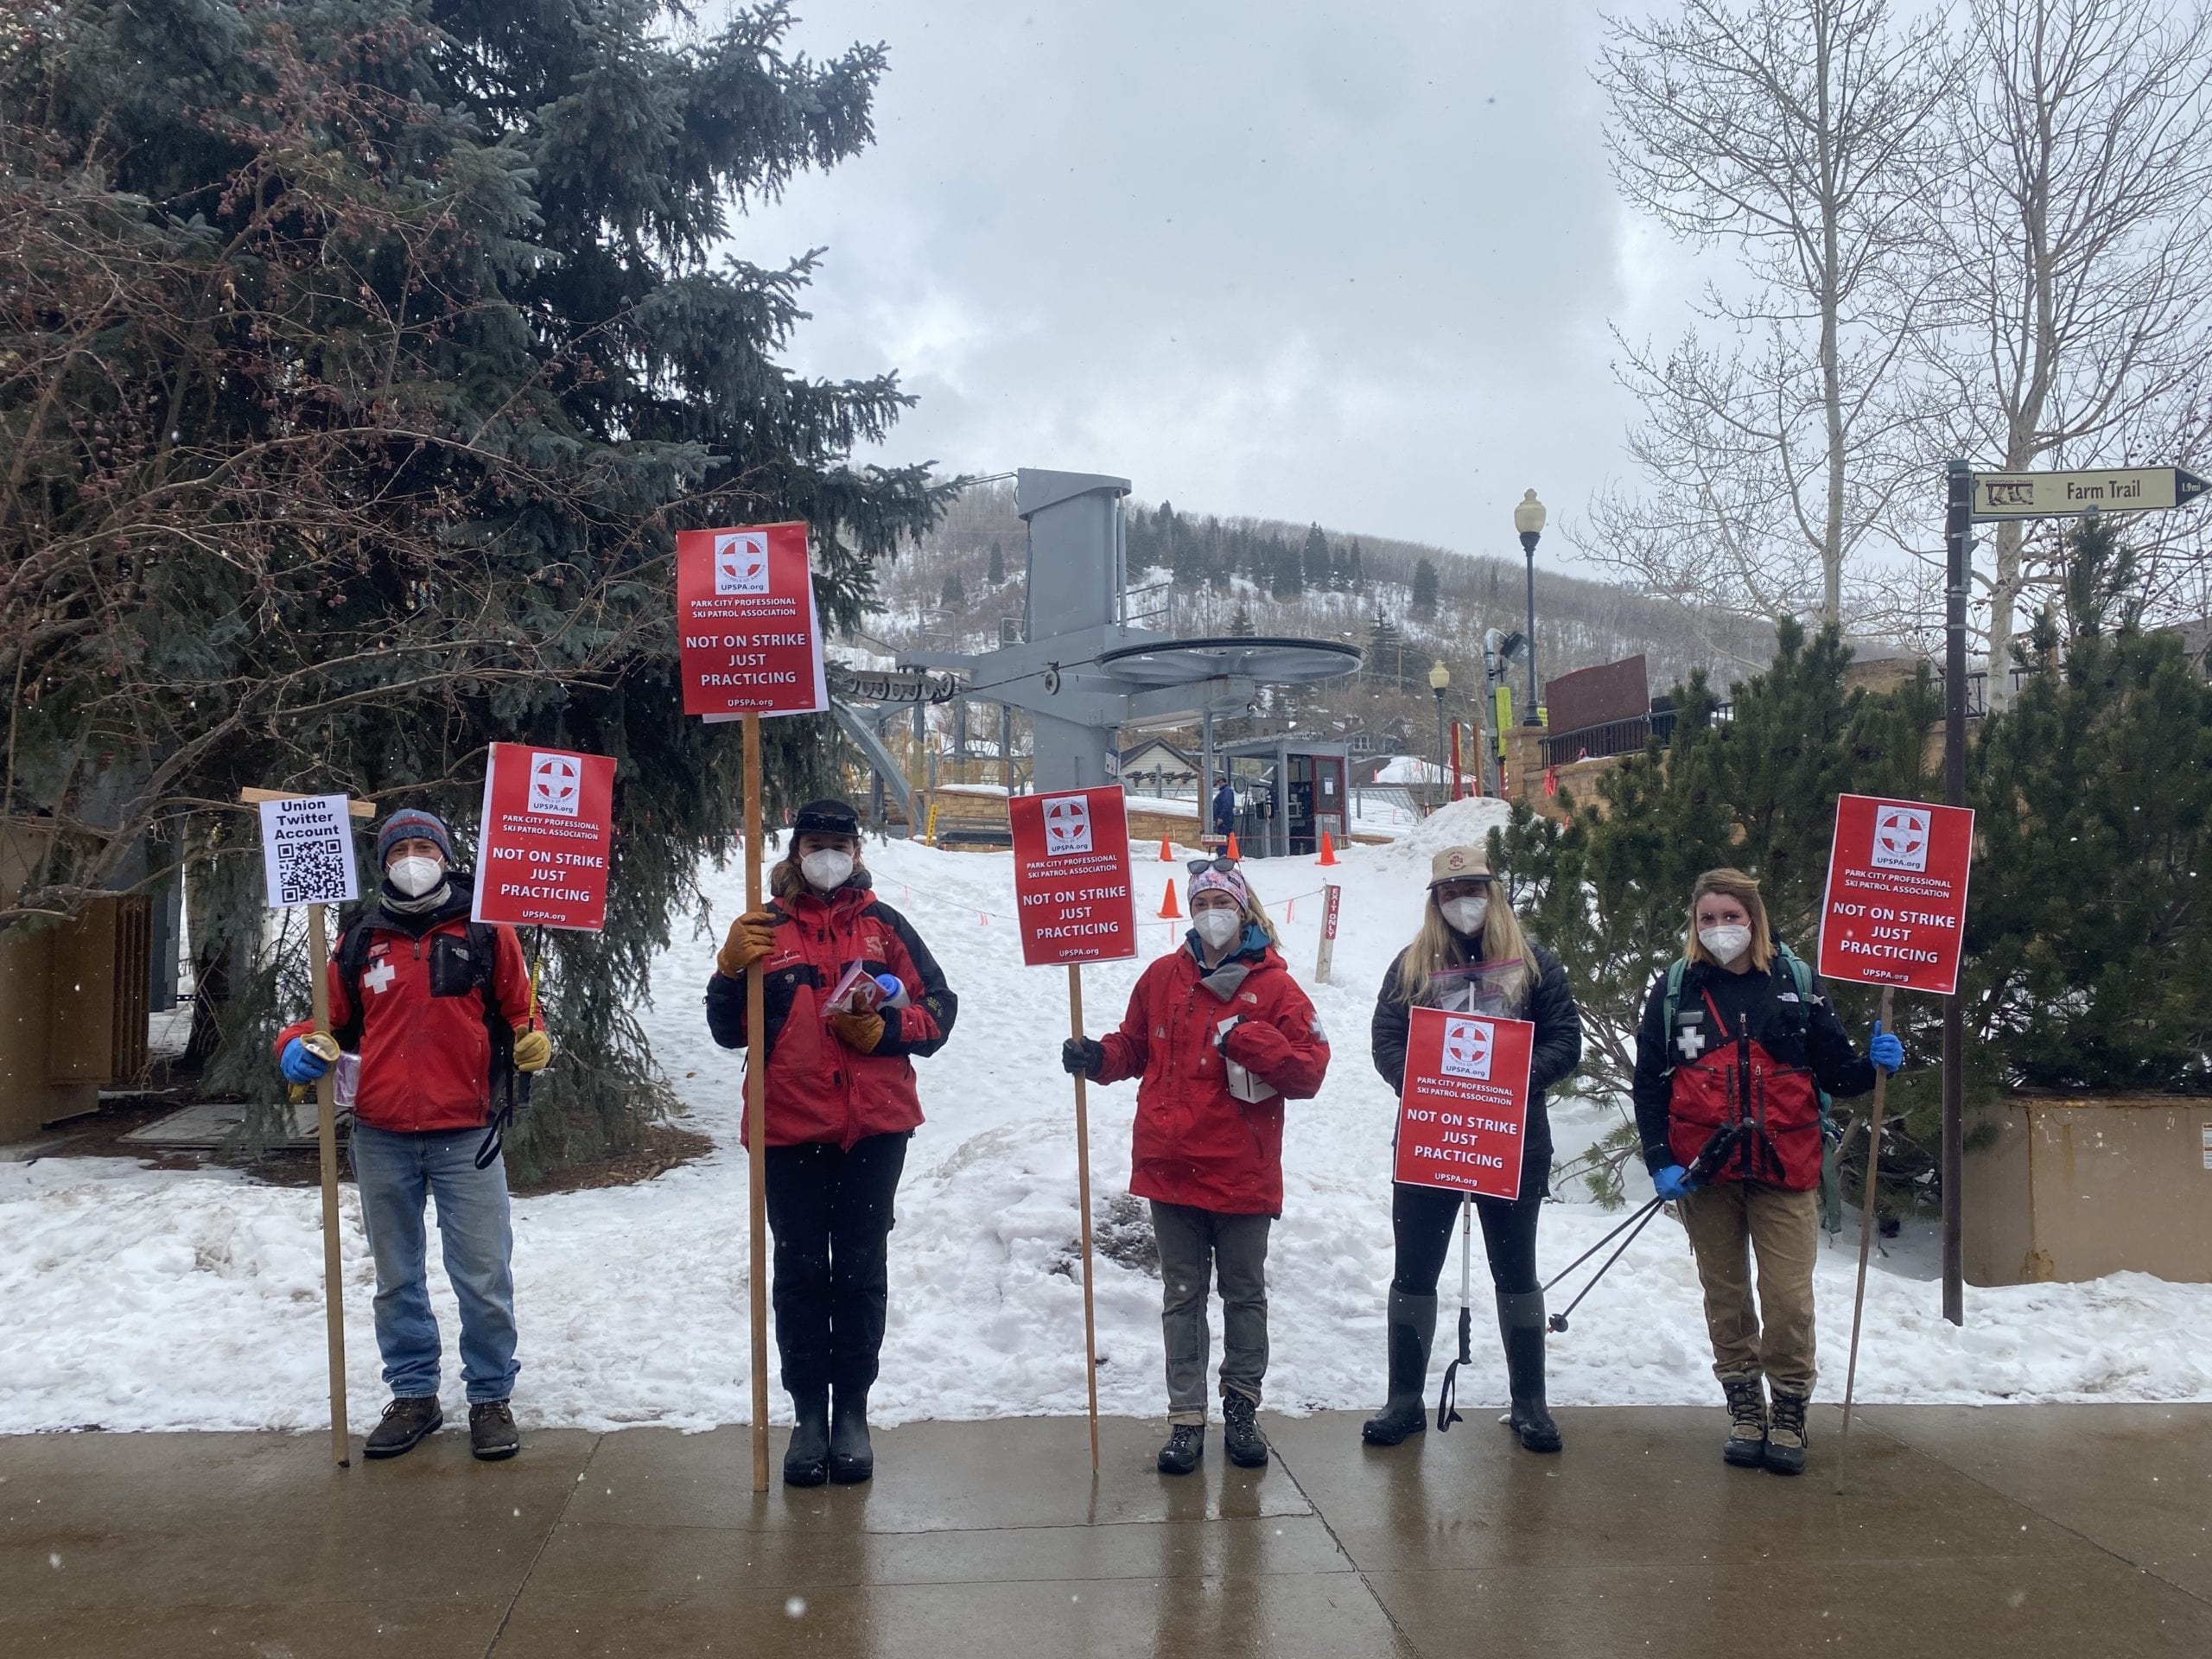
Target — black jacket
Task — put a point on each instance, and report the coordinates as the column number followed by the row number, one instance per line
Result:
column 1794, row 1033
column 1556, row 1053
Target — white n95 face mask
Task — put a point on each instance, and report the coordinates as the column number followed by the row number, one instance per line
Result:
column 1727, row 944
column 826, row 870
column 1466, row 915
column 1217, row 927
column 415, row 876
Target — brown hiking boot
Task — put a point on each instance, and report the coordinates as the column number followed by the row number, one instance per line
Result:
column 492, row 1432
column 1746, row 1445
column 407, row 1421
column 1787, row 1440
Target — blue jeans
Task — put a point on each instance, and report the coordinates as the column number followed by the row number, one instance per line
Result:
column 395, row 1173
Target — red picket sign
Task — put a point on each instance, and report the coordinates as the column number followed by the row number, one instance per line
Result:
column 1895, row 911
column 1072, row 877
column 541, row 860
column 1466, row 1103
column 748, row 638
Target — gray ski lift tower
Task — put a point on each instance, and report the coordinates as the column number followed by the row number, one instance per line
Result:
column 1081, row 672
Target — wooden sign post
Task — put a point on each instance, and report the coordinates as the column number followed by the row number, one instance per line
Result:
column 298, row 850
column 1073, row 903
column 1893, row 914
column 749, row 644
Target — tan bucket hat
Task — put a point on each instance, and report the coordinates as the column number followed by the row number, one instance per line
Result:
column 1459, row 864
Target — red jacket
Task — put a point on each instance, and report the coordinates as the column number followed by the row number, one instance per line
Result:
column 1195, row 1143
column 818, row 1089
column 424, row 1033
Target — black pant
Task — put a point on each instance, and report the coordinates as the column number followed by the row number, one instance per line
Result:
column 830, row 1211
column 1422, row 1217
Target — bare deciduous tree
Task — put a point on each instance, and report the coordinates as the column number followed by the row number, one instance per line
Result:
column 2076, row 296
column 1800, row 132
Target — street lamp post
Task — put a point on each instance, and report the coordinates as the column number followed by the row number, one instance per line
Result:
column 1440, row 681
column 1529, row 519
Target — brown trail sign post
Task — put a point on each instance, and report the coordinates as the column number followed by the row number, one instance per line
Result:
column 307, row 854
column 750, row 645
column 1073, row 905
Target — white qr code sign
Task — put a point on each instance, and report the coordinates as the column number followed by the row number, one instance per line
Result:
column 306, row 850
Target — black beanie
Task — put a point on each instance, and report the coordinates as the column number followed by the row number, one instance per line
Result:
column 826, row 817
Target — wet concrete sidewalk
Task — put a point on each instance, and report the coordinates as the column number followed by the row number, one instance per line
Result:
column 2022, row 1532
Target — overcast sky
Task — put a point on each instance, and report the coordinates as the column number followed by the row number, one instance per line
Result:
column 1300, row 259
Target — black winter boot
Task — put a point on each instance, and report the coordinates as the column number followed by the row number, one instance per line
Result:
column 1787, row 1439
column 1240, row 1433
column 1745, row 1446
column 407, row 1421
column 1186, row 1444
column 1411, row 1330
column 806, row 1459
column 492, row 1435
column 1521, row 1322
column 852, row 1458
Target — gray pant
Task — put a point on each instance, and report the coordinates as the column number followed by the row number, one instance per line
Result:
column 1195, row 1244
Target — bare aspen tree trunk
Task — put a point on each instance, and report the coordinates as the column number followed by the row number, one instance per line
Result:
column 1803, row 135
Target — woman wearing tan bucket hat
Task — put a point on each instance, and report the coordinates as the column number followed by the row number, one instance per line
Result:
column 1470, row 957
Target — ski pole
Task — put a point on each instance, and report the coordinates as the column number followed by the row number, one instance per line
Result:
column 1446, row 1408
column 1710, row 1156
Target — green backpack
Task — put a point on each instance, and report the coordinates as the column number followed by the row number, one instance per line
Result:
column 1831, row 1139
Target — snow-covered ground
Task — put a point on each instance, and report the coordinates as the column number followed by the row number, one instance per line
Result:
column 141, row 1299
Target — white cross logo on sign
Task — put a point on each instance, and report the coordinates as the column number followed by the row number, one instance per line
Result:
column 1067, row 825
column 556, row 784
column 1467, row 1048
column 378, row 976
column 741, row 562
column 1900, row 838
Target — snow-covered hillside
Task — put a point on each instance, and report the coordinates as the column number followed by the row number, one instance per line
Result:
column 139, row 1300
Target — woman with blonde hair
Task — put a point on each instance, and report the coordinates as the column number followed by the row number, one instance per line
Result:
column 1737, row 1046
column 1219, row 1036
column 1470, row 957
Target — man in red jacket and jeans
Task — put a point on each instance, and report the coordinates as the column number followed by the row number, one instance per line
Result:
column 439, row 1010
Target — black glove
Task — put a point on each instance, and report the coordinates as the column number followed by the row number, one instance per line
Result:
column 1080, row 1057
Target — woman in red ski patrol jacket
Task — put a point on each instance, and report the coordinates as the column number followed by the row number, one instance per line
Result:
column 1737, row 1046
column 841, row 1105
column 1220, row 1036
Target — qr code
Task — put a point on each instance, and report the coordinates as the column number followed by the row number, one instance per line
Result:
column 310, row 871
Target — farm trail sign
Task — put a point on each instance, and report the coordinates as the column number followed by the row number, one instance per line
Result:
column 2047, row 495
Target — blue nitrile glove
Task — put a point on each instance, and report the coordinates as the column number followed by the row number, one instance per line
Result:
column 303, row 1061
column 1886, row 1049
column 1673, row 1182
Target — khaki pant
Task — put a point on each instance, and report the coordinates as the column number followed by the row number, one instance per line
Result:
column 1726, row 1222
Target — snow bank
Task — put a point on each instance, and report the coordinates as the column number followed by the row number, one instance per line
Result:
column 137, row 1299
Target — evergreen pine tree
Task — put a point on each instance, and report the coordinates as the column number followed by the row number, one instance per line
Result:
column 996, row 573
column 1356, row 568
column 1313, row 559
column 1424, row 595
column 2088, row 937
column 1286, row 568
column 952, row 595
column 1241, row 624
column 415, row 343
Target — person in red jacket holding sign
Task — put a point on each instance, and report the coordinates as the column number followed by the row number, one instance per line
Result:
column 840, row 1107
column 441, row 1012
column 1737, row 1046
column 1220, row 1036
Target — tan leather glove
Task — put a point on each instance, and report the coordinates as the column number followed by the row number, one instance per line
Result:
column 533, row 1050
column 859, row 1032
column 752, row 937
column 322, row 1046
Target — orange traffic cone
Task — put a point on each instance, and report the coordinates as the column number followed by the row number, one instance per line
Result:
column 1166, row 853
column 1169, row 911
column 1233, row 853
column 1328, row 850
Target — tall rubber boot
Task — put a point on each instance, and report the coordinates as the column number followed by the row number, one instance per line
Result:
column 1521, row 1322
column 1412, row 1333
column 806, row 1459
column 852, row 1458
